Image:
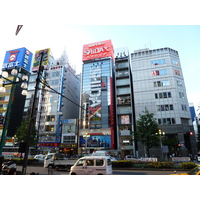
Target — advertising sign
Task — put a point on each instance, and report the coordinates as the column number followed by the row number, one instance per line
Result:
column 96, row 141
column 45, row 60
column 17, row 58
column 98, row 50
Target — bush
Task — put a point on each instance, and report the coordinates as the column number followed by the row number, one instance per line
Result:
column 139, row 164
column 122, row 163
column 161, row 164
column 188, row 165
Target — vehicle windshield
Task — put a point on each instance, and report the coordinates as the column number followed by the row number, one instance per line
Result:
column 194, row 171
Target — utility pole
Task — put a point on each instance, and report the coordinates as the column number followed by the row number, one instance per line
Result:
column 32, row 117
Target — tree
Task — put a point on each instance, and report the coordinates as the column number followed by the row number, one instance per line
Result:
column 21, row 133
column 146, row 129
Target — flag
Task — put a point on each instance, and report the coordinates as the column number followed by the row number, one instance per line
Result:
column 18, row 29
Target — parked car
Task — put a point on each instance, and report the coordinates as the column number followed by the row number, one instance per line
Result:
column 40, row 157
column 195, row 171
column 131, row 157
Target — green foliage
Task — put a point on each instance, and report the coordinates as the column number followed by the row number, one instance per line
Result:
column 146, row 129
column 21, row 133
column 188, row 165
column 139, row 164
column 161, row 164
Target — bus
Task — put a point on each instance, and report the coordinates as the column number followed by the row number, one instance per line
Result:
column 13, row 152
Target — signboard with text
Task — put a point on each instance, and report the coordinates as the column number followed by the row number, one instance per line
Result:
column 21, row 57
column 98, row 50
column 45, row 60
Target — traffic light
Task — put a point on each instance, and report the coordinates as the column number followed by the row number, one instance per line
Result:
column 191, row 133
column 22, row 147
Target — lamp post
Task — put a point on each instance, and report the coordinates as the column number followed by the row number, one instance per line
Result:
column 4, row 80
column 86, row 136
column 161, row 134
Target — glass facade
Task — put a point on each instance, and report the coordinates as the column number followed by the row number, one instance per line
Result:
column 96, row 95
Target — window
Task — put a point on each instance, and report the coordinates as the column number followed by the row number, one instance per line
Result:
column 50, row 118
column 163, row 95
column 161, row 83
column 49, row 128
column 184, row 107
column 158, row 62
column 80, row 162
column 165, row 107
column 167, row 121
column 89, row 162
column 181, row 95
column 99, row 162
column 177, row 72
column 69, row 139
column 179, row 83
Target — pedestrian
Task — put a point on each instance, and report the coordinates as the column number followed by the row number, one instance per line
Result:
column 11, row 171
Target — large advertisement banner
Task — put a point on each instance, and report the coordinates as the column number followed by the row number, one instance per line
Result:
column 98, row 50
column 96, row 141
column 21, row 57
column 45, row 60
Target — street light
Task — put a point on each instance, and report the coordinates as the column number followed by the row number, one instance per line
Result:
column 13, row 80
column 86, row 136
column 161, row 134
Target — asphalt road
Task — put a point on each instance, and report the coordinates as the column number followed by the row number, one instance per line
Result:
column 42, row 171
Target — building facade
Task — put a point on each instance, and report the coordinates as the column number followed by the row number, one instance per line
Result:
column 159, row 86
column 125, row 118
column 97, row 118
column 58, row 99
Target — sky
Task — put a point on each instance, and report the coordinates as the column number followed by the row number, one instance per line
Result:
column 183, row 38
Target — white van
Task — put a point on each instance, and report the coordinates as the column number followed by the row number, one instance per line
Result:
column 92, row 165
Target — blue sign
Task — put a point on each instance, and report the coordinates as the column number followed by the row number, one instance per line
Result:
column 18, row 58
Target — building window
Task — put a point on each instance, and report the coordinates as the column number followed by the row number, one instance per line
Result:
column 165, row 107
column 49, row 128
column 177, row 72
column 158, row 62
column 184, row 107
column 167, row 121
column 163, row 95
column 159, row 72
column 174, row 62
column 50, row 118
column 69, row 139
column 161, row 83
column 181, row 95
column 179, row 83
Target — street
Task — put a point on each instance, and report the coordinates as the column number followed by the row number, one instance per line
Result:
column 42, row 171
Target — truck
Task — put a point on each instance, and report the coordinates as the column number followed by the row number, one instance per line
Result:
column 58, row 161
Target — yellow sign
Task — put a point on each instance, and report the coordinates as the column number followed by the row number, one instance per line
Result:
column 45, row 59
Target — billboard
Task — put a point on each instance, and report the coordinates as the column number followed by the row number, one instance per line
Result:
column 96, row 141
column 21, row 57
column 98, row 50
column 45, row 60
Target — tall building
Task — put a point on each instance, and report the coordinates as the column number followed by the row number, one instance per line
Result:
column 159, row 86
column 125, row 118
column 58, row 100
column 97, row 118
column 16, row 65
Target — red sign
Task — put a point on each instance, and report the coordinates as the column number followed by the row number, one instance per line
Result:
column 98, row 50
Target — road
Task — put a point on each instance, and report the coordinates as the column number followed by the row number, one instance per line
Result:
column 43, row 171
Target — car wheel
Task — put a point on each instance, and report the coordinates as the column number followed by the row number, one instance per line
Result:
column 99, row 174
column 73, row 173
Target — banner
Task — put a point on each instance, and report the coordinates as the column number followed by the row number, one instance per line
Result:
column 96, row 141
column 45, row 60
